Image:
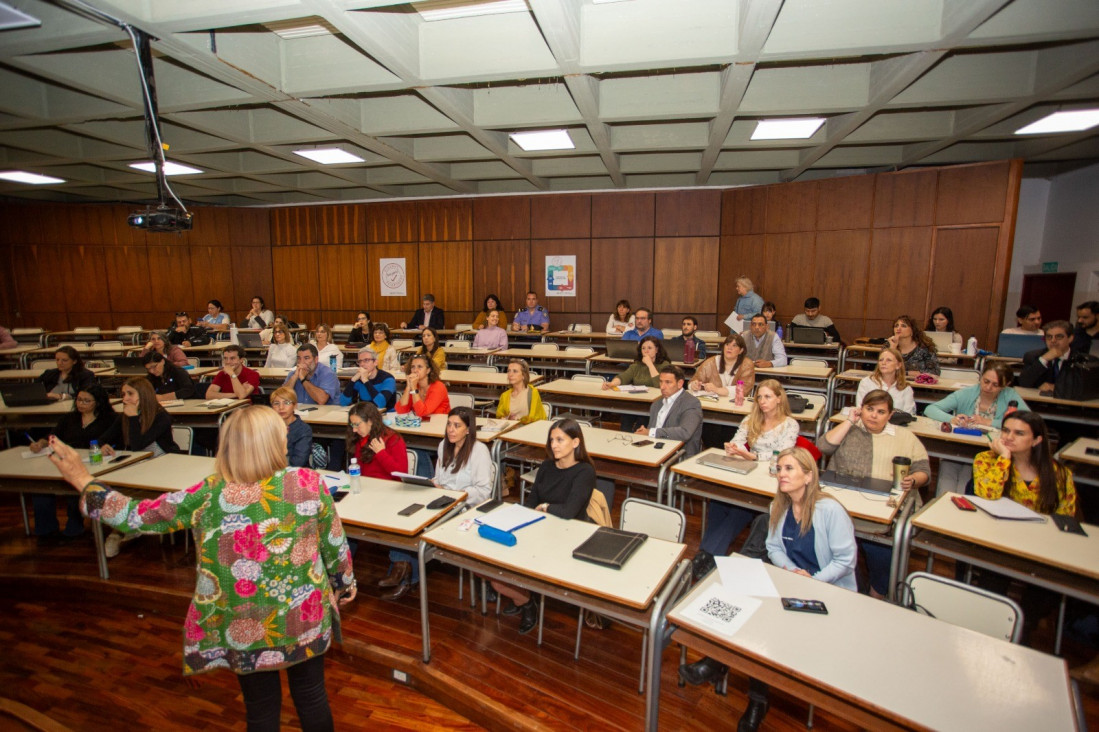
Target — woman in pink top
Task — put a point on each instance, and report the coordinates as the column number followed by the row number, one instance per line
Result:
column 492, row 335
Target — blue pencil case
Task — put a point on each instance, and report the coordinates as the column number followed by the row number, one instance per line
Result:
column 498, row 535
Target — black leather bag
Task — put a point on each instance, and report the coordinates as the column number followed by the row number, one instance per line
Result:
column 901, row 418
column 798, row 403
column 1078, row 380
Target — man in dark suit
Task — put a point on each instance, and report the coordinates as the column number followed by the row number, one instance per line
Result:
column 1087, row 326
column 678, row 416
column 1042, row 366
column 427, row 316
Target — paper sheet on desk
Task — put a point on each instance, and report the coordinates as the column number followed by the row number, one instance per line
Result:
column 510, row 517
column 41, row 453
column 334, row 481
column 1005, row 508
column 721, row 610
column 745, row 576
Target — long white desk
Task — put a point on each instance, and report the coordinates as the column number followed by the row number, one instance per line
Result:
column 586, row 395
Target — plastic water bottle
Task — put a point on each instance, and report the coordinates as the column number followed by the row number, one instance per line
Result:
column 778, row 331
column 95, row 453
column 689, row 350
column 773, row 467
column 738, row 399
column 332, row 362
column 234, row 334
column 971, row 346
column 355, row 472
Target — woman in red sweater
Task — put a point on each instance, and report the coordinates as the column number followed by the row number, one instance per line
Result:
column 424, row 394
column 379, row 450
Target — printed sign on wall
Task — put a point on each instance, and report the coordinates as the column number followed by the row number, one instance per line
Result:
column 561, row 276
column 394, row 282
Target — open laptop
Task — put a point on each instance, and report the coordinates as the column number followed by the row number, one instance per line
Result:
column 622, row 349
column 674, row 350
column 25, row 395
column 728, row 462
column 832, row 479
column 250, row 340
column 129, row 366
column 942, row 339
column 1016, row 345
column 806, row 334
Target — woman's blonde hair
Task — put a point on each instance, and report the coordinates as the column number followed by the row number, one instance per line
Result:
column 286, row 394
column 524, row 367
column 252, row 445
column 902, row 375
column 754, row 421
column 812, row 491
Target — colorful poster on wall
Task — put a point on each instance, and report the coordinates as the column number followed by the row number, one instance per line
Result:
column 394, row 282
column 561, row 276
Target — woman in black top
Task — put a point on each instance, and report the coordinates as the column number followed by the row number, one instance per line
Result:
column 144, row 425
column 563, row 488
column 169, row 381
column 69, row 377
column 91, row 416
column 362, row 332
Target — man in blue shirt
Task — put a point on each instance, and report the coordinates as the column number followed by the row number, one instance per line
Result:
column 313, row 382
column 370, row 384
column 642, row 326
column 532, row 317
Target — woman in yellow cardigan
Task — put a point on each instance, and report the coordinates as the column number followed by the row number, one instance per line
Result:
column 433, row 348
column 521, row 401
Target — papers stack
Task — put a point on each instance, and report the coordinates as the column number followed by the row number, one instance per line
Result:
column 511, row 517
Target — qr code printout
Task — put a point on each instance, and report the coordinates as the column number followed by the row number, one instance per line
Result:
column 720, row 610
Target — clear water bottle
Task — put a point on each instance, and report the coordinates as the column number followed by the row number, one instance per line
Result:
column 778, row 331
column 773, row 467
column 332, row 362
column 738, row 399
column 355, row 472
column 95, row 453
column 971, row 346
column 234, row 334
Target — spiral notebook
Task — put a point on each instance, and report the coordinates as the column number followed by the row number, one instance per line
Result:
column 609, row 547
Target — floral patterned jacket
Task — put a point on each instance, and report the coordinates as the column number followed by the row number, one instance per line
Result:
column 270, row 555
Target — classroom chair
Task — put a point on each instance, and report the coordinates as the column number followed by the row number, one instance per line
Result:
column 463, row 327
column 965, row 605
column 184, row 437
column 461, row 400
column 966, row 376
column 544, row 348
column 458, row 345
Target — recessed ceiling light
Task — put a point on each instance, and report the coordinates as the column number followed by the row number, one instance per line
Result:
column 1074, row 121
column 170, row 168
column 451, row 9
column 606, row 2
column 300, row 28
column 329, row 155
column 800, row 128
column 20, row 176
column 12, row 18
column 543, row 140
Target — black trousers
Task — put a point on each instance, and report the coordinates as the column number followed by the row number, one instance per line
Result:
column 263, row 697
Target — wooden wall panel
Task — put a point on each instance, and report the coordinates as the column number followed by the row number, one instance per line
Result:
column 446, row 271
column 211, row 227
column 791, row 207
column 341, row 224
column 173, row 283
column 842, row 275
column 687, row 277
column 560, row 217
column 343, row 278
column 47, row 320
column 295, row 273
column 905, row 199
column 960, row 268
column 293, row 226
column 972, row 194
column 846, row 203
column 392, row 303
column 35, row 274
column 392, row 222
column 128, row 277
column 621, row 272
column 623, row 214
column 250, row 227
column 743, row 211
column 212, row 279
column 899, row 263
column 446, row 220
column 786, row 269
column 503, row 217
column 581, row 303
column 503, row 268
column 688, row 213
column 740, row 255
column 252, row 275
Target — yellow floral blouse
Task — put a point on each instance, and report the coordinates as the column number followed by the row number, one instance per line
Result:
column 990, row 474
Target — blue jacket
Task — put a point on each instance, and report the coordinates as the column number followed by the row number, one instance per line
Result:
column 382, row 390
column 833, row 542
column 633, row 335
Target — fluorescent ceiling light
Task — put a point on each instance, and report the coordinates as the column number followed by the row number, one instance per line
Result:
column 300, row 28
column 20, row 176
column 606, row 2
column 13, row 18
column 1074, row 121
column 170, row 168
column 451, row 9
column 800, row 128
column 543, row 140
column 329, row 156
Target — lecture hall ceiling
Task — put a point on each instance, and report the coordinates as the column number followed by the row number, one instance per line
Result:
column 653, row 93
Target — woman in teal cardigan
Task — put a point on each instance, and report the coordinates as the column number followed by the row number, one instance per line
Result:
column 981, row 405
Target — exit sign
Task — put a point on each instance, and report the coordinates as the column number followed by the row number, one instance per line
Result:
column 1049, row 267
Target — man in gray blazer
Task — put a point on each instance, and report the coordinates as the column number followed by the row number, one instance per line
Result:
column 678, row 416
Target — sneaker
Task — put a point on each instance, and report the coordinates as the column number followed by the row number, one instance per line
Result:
column 112, row 545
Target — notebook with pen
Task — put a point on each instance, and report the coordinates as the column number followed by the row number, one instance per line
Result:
column 609, row 547
column 511, row 517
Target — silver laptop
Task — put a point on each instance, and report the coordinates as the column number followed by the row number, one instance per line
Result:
column 250, row 340
column 129, row 366
column 728, row 462
column 25, row 395
column 832, row 479
column 942, row 339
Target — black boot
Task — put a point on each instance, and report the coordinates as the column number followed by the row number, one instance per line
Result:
column 528, row 616
column 704, row 671
column 702, row 563
column 753, row 716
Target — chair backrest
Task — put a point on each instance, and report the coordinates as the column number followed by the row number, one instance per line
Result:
column 960, row 604
column 655, row 519
column 484, row 369
column 403, row 343
column 75, row 344
column 545, row 347
column 812, row 363
column 579, row 351
column 461, row 400
column 458, row 345
column 192, row 361
column 413, row 461
column 462, row 327
column 710, row 335
column 86, row 329
column 184, row 437
column 342, row 328
column 43, row 363
column 129, row 329
column 107, row 346
column 580, row 327
column 27, row 331
column 966, row 376
column 590, row 378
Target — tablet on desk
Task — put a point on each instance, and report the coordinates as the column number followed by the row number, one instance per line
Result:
column 416, row 480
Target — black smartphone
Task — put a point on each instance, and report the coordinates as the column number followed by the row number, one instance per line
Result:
column 440, row 502
column 1068, row 524
column 643, row 443
column 489, row 505
column 659, row 446
column 339, row 496
column 804, row 606
column 119, row 456
column 410, row 510
column 1093, row 451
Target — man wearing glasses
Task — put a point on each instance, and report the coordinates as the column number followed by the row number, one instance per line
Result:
column 370, row 384
column 235, row 379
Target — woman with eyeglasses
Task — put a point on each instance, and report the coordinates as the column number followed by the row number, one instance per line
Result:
column 983, row 404
column 326, row 348
column 362, row 332
column 214, row 319
column 299, row 435
column 281, row 354
column 259, row 316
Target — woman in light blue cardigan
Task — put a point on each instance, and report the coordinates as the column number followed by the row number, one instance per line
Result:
column 983, row 404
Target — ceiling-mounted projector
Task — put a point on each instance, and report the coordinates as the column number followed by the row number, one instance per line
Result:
column 162, row 219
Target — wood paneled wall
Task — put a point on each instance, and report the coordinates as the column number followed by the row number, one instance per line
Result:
column 871, row 247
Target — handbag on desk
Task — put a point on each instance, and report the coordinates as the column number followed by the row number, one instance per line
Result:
column 1078, row 380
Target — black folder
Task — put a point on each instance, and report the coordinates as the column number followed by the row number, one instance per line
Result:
column 609, row 547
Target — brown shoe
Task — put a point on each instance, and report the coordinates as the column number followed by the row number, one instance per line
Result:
column 399, row 591
column 1088, row 673
column 398, row 573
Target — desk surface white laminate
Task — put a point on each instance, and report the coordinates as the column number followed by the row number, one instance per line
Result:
column 1040, row 542
column 171, row 472
column 14, row 465
column 377, row 506
column 868, row 506
column 480, row 378
column 332, row 416
column 570, row 387
column 562, row 354
column 891, row 664
column 198, row 407
column 53, row 408
column 32, row 374
column 544, row 550
column 929, row 429
column 943, row 385
column 601, row 443
column 17, row 351
column 1076, row 451
column 604, row 360
column 726, row 405
column 1032, row 396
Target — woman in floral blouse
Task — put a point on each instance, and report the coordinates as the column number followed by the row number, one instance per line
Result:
column 273, row 563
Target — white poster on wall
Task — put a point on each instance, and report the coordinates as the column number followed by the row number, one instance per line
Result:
column 561, row 275
column 394, row 282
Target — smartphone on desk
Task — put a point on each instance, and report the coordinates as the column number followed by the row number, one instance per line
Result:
column 793, row 604
column 642, row 443
column 1093, row 451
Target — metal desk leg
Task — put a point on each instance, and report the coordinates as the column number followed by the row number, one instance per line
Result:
column 23, row 505
column 654, row 652
column 900, row 552
column 100, row 554
column 425, row 627
column 1060, row 626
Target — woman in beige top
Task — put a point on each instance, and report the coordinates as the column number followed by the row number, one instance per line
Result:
column 720, row 373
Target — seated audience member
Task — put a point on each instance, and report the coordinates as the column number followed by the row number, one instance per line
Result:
column 432, row 347
column 917, row 349
column 521, row 401
column 644, row 371
column 185, row 333
column 678, row 415
column 942, row 321
column 234, row 380
column 864, row 445
column 808, row 533
column 765, row 349
column 388, row 357
column 769, row 311
column 1042, row 366
column 889, row 375
column 643, row 327
column 1087, row 326
column 768, row 428
column 281, row 354
column 983, row 404
column 689, row 327
column 720, row 373
column 327, row 350
column 169, row 381
column 214, row 319
column 533, row 317
column 370, row 384
column 259, row 316
column 267, row 334
column 428, row 316
column 299, row 435
column 91, row 416
column 621, row 319
column 424, row 394
column 312, row 381
column 6, row 339
column 1028, row 321
column 492, row 303
column 379, row 450
column 562, row 487
column 68, row 377
column 363, row 331
column 159, row 344
column 491, row 335
column 748, row 303
column 812, row 318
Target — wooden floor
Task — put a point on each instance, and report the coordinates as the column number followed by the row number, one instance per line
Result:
column 96, row 655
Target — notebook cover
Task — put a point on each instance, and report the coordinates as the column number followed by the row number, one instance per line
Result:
column 609, row 547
